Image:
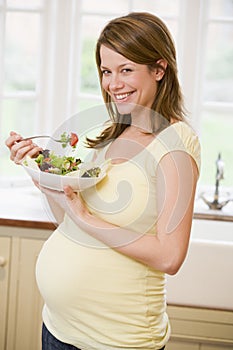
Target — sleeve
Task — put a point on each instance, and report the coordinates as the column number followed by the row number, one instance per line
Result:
column 179, row 137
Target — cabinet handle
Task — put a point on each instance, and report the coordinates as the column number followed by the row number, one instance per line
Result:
column 2, row 261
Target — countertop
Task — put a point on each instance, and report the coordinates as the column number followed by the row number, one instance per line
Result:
column 27, row 207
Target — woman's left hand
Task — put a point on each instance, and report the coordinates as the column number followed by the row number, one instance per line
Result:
column 75, row 202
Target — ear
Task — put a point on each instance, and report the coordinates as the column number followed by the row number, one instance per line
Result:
column 160, row 71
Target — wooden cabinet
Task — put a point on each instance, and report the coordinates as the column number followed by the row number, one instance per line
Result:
column 5, row 246
column 181, row 345
column 200, row 329
column 20, row 301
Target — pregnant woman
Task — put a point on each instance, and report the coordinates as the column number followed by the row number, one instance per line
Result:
column 102, row 272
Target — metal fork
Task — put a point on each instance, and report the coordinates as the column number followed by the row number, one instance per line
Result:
column 40, row 137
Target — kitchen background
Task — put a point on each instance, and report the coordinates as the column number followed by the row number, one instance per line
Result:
column 48, row 74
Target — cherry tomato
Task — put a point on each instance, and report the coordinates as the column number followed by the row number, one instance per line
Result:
column 73, row 139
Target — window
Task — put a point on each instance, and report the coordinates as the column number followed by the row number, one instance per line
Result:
column 47, row 70
column 19, row 69
column 216, row 89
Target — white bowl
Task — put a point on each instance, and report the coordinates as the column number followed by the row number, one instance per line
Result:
column 57, row 182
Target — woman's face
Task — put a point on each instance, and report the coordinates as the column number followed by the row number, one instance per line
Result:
column 128, row 83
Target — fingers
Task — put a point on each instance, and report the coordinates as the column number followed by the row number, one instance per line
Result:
column 70, row 194
column 12, row 139
column 76, row 205
column 19, row 149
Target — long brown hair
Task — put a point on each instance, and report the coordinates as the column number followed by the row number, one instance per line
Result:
column 144, row 39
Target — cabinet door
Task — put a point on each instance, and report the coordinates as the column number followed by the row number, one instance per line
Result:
column 215, row 347
column 181, row 345
column 24, row 327
column 4, row 280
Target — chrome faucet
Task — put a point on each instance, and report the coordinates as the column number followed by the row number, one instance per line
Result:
column 215, row 204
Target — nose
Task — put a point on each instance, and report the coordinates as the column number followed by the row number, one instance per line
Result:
column 115, row 82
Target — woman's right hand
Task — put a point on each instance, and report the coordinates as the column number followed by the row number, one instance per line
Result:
column 20, row 149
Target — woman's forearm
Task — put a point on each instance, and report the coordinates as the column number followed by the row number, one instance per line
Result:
column 167, row 248
column 152, row 250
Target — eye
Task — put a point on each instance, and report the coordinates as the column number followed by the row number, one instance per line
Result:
column 105, row 72
column 126, row 70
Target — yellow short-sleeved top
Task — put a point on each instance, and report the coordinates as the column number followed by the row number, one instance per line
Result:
column 95, row 297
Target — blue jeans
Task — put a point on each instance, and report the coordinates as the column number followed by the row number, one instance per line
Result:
column 49, row 342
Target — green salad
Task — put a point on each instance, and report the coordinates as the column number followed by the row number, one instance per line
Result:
column 47, row 161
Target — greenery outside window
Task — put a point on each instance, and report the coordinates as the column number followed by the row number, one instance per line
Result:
column 47, row 69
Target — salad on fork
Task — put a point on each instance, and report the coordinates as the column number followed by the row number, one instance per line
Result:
column 65, row 139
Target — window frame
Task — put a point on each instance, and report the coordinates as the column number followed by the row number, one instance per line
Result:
column 58, row 93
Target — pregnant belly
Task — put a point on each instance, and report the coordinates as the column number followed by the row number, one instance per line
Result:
column 97, row 290
column 69, row 274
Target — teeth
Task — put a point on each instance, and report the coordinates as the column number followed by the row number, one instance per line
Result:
column 121, row 96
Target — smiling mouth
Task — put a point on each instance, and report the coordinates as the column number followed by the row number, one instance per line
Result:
column 120, row 97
